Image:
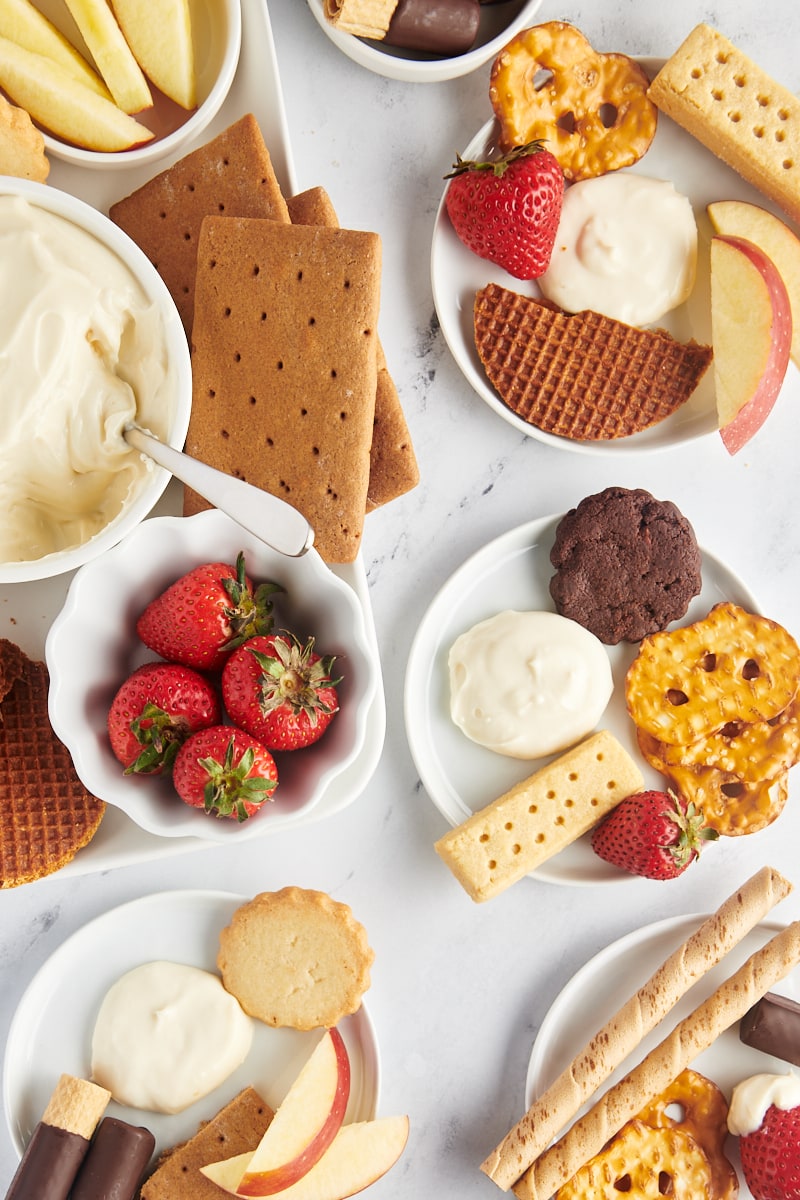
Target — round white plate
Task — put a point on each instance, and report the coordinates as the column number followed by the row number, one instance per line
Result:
column 52, row 1029
column 613, row 975
column 457, row 273
column 498, row 24
column 513, row 572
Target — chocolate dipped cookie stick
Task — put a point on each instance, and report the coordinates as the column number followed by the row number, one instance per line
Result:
column 620, row 1035
column 773, row 1026
column 113, row 1168
column 60, row 1141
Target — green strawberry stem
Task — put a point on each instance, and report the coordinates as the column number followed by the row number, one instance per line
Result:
column 497, row 166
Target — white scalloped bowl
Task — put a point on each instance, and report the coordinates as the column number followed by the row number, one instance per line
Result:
column 499, row 23
column 92, row 647
column 217, row 38
column 171, row 425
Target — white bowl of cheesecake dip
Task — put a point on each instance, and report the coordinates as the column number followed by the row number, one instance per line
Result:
column 90, row 340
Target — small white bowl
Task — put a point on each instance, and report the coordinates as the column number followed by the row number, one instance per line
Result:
column 92, row 647
column 217, row 37
column 499, row 23
column 175, row 422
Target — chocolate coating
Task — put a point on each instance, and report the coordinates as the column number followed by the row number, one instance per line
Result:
column 773, row 1025
column 49, row 1165
column 445, row 27
column 113, row 1168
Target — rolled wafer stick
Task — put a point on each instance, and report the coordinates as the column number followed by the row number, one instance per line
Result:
column 362, row 18
column 623, row 1032
column 690, row 1037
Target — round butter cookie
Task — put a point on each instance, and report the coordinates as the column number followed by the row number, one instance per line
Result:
column 295, row 957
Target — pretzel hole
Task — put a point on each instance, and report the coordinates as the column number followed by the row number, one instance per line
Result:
column 542, row 76
column 676, row 1112
column 732, row 790
column 566, row 122
column 731, row 730
column 675, row 697
column 751, row 669
column 709, row 662
column 665, row 1183
column 608, row 114
column 623, row 1184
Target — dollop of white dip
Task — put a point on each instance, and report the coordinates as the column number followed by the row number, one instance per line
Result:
column 166, row 1035
column 527, row 684
column 82, row 353
column 626, row 247
column 752, row 1097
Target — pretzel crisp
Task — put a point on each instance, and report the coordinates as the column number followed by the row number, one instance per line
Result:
column 590, row 109
column 643, row 1162
column 732, row 665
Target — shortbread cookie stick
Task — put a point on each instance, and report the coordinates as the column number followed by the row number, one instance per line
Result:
column 637, row 1017
column 60, row 1141
column 363, row 18
column 690, row 1037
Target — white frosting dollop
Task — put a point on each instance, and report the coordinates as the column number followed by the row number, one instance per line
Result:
column 528, row 684
column 626, row 247
column 752, row 1097
column 166, row 1035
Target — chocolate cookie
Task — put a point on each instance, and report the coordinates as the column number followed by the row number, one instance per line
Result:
column 626, row 564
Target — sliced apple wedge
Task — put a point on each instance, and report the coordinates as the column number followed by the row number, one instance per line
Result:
column 751, row 331
column 56, row 100
column 357, row 1157
column 22, row 23
column 159, row 32
column 301, row 1130
column 738, row 218
column 111, row 53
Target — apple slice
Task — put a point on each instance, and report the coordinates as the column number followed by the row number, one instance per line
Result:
column 357, row 1157
column 55, row 99
column 159, row 32
column 751, row 331
column 738, row 218
column 111, row 53
column 20, row 22
column 301, row 1130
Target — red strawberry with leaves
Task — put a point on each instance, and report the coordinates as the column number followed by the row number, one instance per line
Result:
column 154, row 712
column 654, row 834
column 225, row 772
column 207, row 613
column 771, row 1155
column 280, row 691
column 508, row 210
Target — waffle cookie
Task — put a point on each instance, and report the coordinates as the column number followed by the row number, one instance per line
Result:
column 47, row 813
column 582, row 376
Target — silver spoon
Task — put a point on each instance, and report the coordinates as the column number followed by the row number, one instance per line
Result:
column 271, row 519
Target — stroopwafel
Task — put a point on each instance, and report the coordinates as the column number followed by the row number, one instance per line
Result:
column 582, row 376
column 47, row 814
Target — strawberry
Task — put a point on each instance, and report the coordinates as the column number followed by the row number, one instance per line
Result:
column 654, row 834
column 280, row 691
column 771, row 1156
column 225, row 772
column 155, row 711
column 205, row 614
column 508, row 210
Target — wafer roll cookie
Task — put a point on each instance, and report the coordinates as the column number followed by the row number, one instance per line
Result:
column 638, row 1016
column 362, row 18
column 690, row 1037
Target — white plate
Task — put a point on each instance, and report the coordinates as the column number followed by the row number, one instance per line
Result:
column 498, row 25
column 457, row 273
column 613, row 975
column 460, row 777
column 52, row 1029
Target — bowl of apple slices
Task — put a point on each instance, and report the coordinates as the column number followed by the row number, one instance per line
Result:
column 120, row 84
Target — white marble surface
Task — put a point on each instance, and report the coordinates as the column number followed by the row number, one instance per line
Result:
column 459, row 990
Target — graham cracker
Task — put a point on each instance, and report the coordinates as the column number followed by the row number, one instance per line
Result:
column 232, row 175
column 47, row 813
column 285, row 367
column 236, row 1129
column 393, row 465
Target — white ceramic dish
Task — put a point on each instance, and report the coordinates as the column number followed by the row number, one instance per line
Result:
column 217, row 35
column 52, row 1029
column 92, row 647
column 176, row 422
column 456, row 274
column 513, row 572
column 499, row 23
column 603, row 985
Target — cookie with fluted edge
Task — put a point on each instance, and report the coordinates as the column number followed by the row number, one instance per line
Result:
column 295, row 957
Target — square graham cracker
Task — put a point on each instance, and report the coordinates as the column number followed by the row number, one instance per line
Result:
column 284, row 364
column 393, row 464
column 231, row 175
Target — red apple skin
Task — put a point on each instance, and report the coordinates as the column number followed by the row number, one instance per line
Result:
column 267, row 1183
column 751, row 416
